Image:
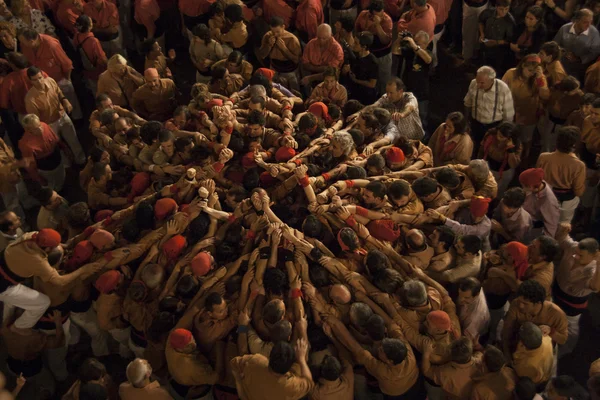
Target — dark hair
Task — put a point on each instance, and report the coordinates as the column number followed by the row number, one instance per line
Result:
column 256, row 118
column 461, row 350
column 459, row 122
column 567, row 386
column 276, row 21
column 537, row 12
column 351, row 107
column 281, row 330
column 98, row 171
column 472, row 243
column 251, row 179
column 187, row 287
column 494, row 359
column 399, row 189
column 182, row 142
column 394, row 349
column 377, row 188
column 91, row 370
column 566, row 139
column 83, row 23
column 588, row 244
column 388, row 280
column 514, row 197
column 149, row 131
column 258, row 100
column 43, row 195
column 329, row 71
column 331, row 368
column 130, row 230
column 282, row 357
column 33, row 71
column 28, row 33
column 424, row 186
column 398, row 82
column 551, row 49
column 147, row 45
column 312, row 226
column 347, row 23
column 525, row 389
column 365, row 38
column 144, row 215
column 376, row 261
column 383, row 116
column 530, row 335
column 588, row 98
column 275, row 281
column 549, row 247
column 17, row 59
column 448, row 178
column 202, row 32
column 446, row 236
column 357, row 136
column 213, row 299
column 319, row 276
column 165, row 136
column 376, row 5
column 376, row 161
column 217, row 73
column 376, row 328
column 234, row 13
column 510, row 131
column 568, row 84
column 532, row 291
column 78, row 215
column 349, row 238
column 471, row 284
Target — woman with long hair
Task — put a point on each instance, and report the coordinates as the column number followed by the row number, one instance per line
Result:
column 451, row 143
column 531, row 34
column 529, row 88
column 502, row 149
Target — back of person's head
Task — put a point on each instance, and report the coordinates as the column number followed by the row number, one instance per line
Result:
column 383, row 116
column 365, row 39
column 494, row 359
column 414, row 292
column 399, row 189
column 377, row 188
column 388, row 280
column 549, row 247
column 459, row 121
column 530, row 335
column 532, row 291
column 276, row 21
column 567, row 387
column 17, row 59
column 202, row 32
column 376, row 5
column 44, row 195
column 319, row 276
column 275, row 281
column 470, row 284
column 376, row 328
column 525, row 389
column 588, row 244
column 568, row 84
column 186, row 287
column 83, row 23
column 351, row 107
column 331, row 368
column 448, row 178
column 471, row 243
column 376, row 261
column 234, row 13
column 588, row 99
column 360, row 314
column 149, row 132
column 91, row 370
column 514, row 197
column 281, row 330
column 282, row 357
column 424, row 186
column 461, row 350
column 130, row 230
column 394, row 349
column 93, row 391
column 551, row 49
column 273, row 311
column 137, row 371
column 446, row 236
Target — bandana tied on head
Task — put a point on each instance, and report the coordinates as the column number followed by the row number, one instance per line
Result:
column 394, row 155
column 140, row 183
column 534, row 58
column 384, row 229
column 266, row 180
column 180, row 338
column 201, row 264
column 47, row 238
column 248, row 160
column 108, row 281
column 102, row 215
column 283, row 154
column 532, row 177
column 267, row 73
column 519, row 253
column 101, row 238
column 320, row 110
column 82, row 252
column 214, row 103
column 151, row 73
column 439, row 320
column 479, row 206
column 174, row 246
column 164, row 207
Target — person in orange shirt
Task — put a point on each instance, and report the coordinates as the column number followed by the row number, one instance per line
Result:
column 92, row 56
column 278, row 8
column 309, row 15
column 149, row 23
column 105, row 16
column 67, row 13
column 319, row 53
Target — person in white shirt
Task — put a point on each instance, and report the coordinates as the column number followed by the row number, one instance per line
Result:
column 473, row 312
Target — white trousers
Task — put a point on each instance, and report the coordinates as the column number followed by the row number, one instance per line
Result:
column 573, row 337
column 470, row 29
column 435, row 40
column 122, row 337
column 567, row 209
column 69, row 91
column 33, row 302
column 88, row 321
column 65, row 129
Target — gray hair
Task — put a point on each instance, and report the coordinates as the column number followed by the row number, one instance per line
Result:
column 488, row 71
column 345, row 140
column 415, row 293
column 137, row 371
column 257, row 90
column 29, row 119
column 479, row 169
column 360, row 313
column 584, row 12
column 326, row 27
column 117, row 59
column 423, row 34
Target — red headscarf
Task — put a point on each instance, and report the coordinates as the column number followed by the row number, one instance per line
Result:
column 139, row 183
column 479, row 206
column 395, row 155
column 174, row 246
column 519, row 253
column 532, row 177
column 47, row 238
column 180, row 338
column 283, row 154
column 266, row 72
column 108, row 281
column 320, row 110
column 164, row 207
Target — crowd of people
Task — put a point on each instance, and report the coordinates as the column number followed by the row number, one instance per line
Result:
column 298, row 229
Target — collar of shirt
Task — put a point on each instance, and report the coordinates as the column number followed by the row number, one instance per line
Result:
column 572, row 31
column 516, row 215
column 543, row 193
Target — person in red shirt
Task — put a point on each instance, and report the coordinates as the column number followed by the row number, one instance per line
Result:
column 91, row 52
column 41, row 147
column 421, row 17
column 322, row 52
column 105, row 17
column 67, row 13
column 149, row 23
column 278, row 8
column 309, row 15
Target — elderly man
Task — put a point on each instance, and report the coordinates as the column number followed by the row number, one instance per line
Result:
column 46, row 100
column 138, row 383
column 379, row 23
column 41, row 146
column 488, row 102
column 581, row 42
column 540, row 203
column 119, row 81
column 104, row 102
column 321, row 52
column 155, row 100
column 281, row 50
column 46, row 53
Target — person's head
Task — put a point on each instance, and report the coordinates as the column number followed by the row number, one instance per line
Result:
column 567, row 138
column 493, row 359
column 31, row 124
column 586, row 251
column 121, row 126
column 461, row 350
column 392, row 351
column 513, row 199
column 234, row 13
column 103, row 102
column 256, row 103
column 442, row 237
column 468, row 290
column 277, row 25
column 9, row 222
column 530, row 335
column 549, row 52
column 415, row 293
column 16, row 60
column 324, row 34
column 485, row 77
column 479, row 170
column 281, row 330
column 117, row 65
column 376, row 261
column 329, row 78
column 375, row 328
column 564, row 387
column 586, row 103
column 202, row 32
column 394, row 89
column 341, row 144
column 374, row 194
column 506, row 132
column 273, row 311
column 138, row 372
column 101, row 173
column 425, row 188
column 456, row 123
column 344, row 23
column 340, row 294
column 36, row 77
column 582, row 19
column 152, row 78
column 525, row 389
column 91, row 370
column 526, row 68
column 448, row 178
column 167, row 142
column 468, row 245
column 330, row 369
column 216, row 306
column 415, row 240
column 282, row 357
column 531, row 295
column 365, row 40
column 28, row 37
column 502, row 8
column 108, row 117
column 399, row 193
column 83, row 24
column 534, row 17
column 255, row 123
column 360, row 314
column 595, row 112
column 542, row 249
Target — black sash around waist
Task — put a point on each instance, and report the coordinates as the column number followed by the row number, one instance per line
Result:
column 563, row 194
column 28, row 368
column 283, row 66
column 138, row 337
column 51, row 162
column 183, row 390
column 494, row 165
column 106, row 37
column 571, row 305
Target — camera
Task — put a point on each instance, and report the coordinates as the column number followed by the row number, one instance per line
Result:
column 404, row 45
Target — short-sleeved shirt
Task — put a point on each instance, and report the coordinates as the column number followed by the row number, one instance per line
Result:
column 497, row 28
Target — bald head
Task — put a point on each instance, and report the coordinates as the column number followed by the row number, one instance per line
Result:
column 340, row 294
column 152, row 275
column 138, row 371
column 324, row 33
